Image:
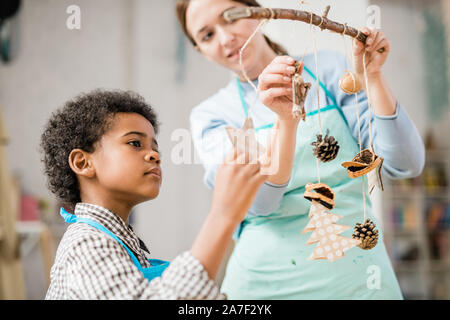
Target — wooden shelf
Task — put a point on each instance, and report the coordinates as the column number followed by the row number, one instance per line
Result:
column 415, row 199
column 440, row 192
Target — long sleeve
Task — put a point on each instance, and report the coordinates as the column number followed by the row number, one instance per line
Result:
column 212, row 145
column 395, row 138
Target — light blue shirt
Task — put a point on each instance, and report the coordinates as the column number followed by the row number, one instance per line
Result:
column 395, row 138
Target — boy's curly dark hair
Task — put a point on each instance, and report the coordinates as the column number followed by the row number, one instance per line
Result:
column 79, row 124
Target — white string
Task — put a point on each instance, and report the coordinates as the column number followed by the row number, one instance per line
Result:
column 368, row 100
column 317, row 79
column 310, row 33
column 360, row 143
column 357, row 106
column 242, row 50
column 346, row 51
column 364, row 198
column 318, row 96
column 359, row 123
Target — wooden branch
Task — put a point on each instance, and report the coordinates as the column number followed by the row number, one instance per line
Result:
column 290, row 14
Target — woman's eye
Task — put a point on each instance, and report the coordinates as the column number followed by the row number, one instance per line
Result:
column 135, row 143
column 207, row 36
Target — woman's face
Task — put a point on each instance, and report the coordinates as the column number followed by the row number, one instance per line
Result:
column 220, row 41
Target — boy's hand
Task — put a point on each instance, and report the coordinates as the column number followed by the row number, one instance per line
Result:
column 237, row 182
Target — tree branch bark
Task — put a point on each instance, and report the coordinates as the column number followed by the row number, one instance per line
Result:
column 290, row 14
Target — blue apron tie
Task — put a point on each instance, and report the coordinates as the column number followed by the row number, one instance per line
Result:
column 157, row 266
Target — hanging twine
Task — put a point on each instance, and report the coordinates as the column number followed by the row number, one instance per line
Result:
column 241, row 51
column 356, row 101
column 364, row 198
column 368, row 103
column 260, row 25
column 317, row 76
column 345, row 46
column 354, row 86
column 359, row 125
column 347, row 62
column 317, row 86
column 310, row 33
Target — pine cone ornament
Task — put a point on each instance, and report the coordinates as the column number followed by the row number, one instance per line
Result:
column 327, row 149
column 367, row 233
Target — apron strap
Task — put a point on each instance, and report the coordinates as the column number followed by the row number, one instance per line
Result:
column 71, row 218
column 324, row 88
column 327, row 92
column 241, row 96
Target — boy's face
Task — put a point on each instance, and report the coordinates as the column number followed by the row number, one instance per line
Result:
column 126, row 160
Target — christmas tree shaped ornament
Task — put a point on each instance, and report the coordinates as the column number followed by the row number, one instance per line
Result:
column 366, row 234
column 349, row 83
column 326, row 232
column 299, row 91
column 244, row 139
column 321, row 193
column 326, row 149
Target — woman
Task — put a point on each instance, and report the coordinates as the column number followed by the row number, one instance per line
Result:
column 269, row 259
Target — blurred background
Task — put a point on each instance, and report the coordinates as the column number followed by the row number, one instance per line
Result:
column 138, row 45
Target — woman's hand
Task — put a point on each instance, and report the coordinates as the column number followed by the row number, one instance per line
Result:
column 382, row 99
column 237, row 181
column 275, row 86
column 374, row 59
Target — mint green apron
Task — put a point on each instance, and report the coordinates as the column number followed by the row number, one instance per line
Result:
column 269, row 258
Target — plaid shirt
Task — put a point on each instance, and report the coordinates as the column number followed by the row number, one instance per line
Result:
column 90, row 264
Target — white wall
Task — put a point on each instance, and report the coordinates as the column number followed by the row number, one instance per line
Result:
column 54, row 64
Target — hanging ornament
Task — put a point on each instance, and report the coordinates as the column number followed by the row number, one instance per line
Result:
column 349, row 83
column 367, row 234
column 325, row 231
column 374, row 178
column 245, row 140
column 320, row 192
column 300, row 91
column 364, row 162
column 326, row 149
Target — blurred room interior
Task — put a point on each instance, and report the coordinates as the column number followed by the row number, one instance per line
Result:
column 138, row 45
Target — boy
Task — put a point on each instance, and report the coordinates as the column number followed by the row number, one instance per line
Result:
column 101, row 157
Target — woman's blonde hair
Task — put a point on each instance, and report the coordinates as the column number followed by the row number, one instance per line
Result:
column 182, row 6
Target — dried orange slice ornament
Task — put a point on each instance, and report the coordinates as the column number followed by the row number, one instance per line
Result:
column 321, row 193
column 366, row 162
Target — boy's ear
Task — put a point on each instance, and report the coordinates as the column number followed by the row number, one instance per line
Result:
column 80, row 163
